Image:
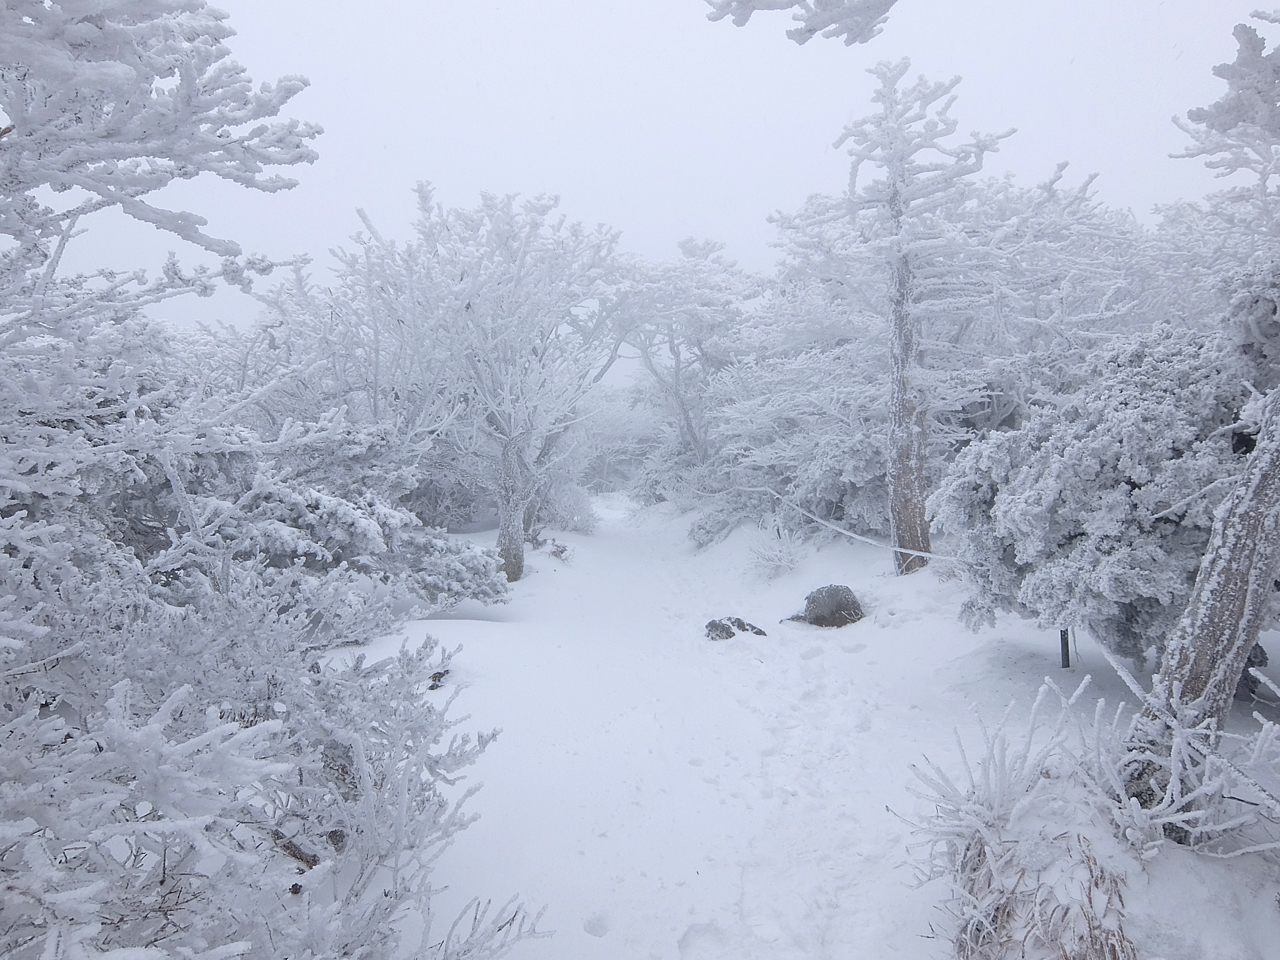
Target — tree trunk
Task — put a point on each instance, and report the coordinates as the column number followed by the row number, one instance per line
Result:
column 1206, row 652
column 513, row 497
column 908, row 433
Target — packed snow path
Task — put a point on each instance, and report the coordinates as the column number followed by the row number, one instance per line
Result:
column 667, row 796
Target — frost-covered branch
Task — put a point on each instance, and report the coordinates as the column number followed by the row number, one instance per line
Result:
column 854, row 21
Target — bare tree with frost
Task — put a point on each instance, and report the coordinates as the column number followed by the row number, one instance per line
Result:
column 686, row 316
column 511, row 309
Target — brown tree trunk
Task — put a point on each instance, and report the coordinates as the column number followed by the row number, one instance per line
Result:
column 908, row 433
column 1206, row 652
column 513, row 497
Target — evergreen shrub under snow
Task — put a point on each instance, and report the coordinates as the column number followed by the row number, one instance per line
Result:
column 1096, row 510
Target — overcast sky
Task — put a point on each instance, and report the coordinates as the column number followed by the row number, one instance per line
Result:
column 644, row 115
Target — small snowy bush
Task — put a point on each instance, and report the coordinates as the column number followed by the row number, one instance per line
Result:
column 566, row 506
column 1032, row 873
column 776, row 550
column 1036, row 842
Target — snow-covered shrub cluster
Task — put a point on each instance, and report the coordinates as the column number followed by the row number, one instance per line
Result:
column 227, row 794
column 178, row 758
column 185, row 773
column 1095, row 511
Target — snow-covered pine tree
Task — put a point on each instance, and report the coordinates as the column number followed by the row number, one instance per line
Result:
column 896, row 247
column 1095, row 509
column 1091, row 427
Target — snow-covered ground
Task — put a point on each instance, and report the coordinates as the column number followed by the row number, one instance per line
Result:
column 667, row 796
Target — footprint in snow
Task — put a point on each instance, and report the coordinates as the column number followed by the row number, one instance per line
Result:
column 702, row 941
column 597, row 925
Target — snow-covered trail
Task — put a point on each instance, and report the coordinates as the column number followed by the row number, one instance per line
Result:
column 671, row 797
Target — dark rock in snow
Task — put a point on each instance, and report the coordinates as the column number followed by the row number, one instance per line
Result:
column 830, row 606
column 719, row 630
column 727, row 627
column 1249, row 685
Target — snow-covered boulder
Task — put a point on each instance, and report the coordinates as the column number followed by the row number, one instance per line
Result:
column 830, row 606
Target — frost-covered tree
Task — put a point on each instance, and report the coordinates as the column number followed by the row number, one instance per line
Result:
column 1131, row 468
column 1207, row 650
column 685, row 318
column 525, row 306
column 503, row 313
column 895, row 246
column 1232, row 599
column 180, row 773
column 379, row 386
column 104, row 103
column 1237, row 134
column 797, row 422
column 800, row 437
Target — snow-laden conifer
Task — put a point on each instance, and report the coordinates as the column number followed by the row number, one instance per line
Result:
column 894, row 244
column 1095, row 511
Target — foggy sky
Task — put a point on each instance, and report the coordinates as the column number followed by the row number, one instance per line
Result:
column 646, row 116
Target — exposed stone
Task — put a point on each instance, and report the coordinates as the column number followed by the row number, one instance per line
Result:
column 719, row 630
column 830, row 606
column 1249, row 685
column 728, row 627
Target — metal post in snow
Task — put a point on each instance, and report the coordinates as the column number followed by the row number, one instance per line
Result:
column 1064, row 639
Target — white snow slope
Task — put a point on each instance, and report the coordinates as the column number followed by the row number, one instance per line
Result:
column 667, row 796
